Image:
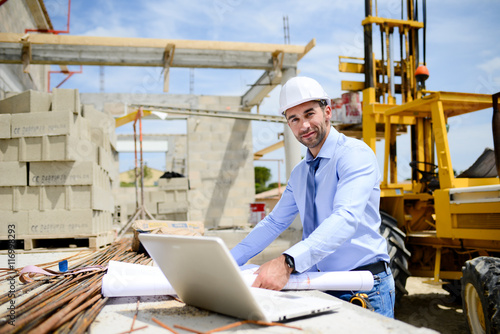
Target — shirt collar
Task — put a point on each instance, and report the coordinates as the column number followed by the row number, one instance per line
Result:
column 328, row 148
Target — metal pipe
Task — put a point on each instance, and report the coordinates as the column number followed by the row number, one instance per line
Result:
column 135, row 163
column 496, row 130
column 424, row 9
column 389, row 65
column 390, row 58
column 143, row 214
column 367, row 33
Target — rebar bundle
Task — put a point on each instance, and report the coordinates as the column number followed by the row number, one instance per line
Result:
column 63, row 304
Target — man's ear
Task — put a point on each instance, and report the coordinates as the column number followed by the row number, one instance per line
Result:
column 328, row 113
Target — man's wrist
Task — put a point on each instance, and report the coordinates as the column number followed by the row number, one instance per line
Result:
column 289, row 261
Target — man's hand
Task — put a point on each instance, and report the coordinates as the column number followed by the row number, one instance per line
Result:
column 273, row 275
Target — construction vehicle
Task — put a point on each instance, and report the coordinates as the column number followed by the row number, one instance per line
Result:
column 438, row 225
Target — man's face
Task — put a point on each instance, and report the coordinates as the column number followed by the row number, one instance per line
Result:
column 310, row 124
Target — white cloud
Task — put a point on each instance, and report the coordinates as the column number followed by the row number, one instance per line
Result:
column 490, row 65
column 461, row 54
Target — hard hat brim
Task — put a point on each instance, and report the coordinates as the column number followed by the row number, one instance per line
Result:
column 296, row 103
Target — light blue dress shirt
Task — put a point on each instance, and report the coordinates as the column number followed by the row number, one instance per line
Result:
column 347, row 202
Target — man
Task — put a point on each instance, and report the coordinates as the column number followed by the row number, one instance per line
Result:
column 335, row 189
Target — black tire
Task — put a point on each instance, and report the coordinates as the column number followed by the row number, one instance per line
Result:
column 481, row 294
column 454, row 288
column 397, row 252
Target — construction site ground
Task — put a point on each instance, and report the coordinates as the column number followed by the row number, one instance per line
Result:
column 430, row 306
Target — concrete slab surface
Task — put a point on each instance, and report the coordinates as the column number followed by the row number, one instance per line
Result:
column 118, row 314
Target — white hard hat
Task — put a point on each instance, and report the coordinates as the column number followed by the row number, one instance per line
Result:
column 298, row 90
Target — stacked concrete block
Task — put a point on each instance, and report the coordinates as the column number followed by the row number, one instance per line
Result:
column 170, row 201
column 220, row 165
column 103, row 135
column 57, row 174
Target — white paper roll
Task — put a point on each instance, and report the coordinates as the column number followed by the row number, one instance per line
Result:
column 126, row 279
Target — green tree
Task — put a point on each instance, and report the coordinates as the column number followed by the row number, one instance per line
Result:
column 262, row 175
column 148, row 173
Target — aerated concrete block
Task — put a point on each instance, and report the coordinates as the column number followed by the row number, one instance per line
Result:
column 56, row 148
column 60, row 223
column 172, row 207
column 177, row 183
column 42, row 124
column 75, row 198
column 5, row 126
column 67, row 173
column 178, row 216
column 9, row 149
column 13, row 173
column 66, row 99
column 13, row 224
column 55, row 198
column 19, row 198
column 27, row 102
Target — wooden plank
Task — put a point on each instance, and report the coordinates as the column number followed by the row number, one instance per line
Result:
column 153, row 43
column 259, row 154
column 62, row 241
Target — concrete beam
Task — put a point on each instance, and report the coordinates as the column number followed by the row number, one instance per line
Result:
column 40, row 15
column 150, row 109
column 82, row 50
column 263, row 86
column 153, row 143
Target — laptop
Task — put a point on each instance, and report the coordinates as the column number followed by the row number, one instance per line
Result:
column 204, row 274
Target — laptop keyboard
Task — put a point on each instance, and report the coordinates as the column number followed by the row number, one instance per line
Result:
column 279, row 302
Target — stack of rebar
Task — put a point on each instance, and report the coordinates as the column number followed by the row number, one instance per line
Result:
column 62, row 304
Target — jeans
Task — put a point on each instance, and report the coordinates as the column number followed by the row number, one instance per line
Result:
column 382, row 296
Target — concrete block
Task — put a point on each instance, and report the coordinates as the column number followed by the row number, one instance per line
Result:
column 67, row 173
column 178, row 216
column 102, row 126
column 56, row 148
column 42, row 124
column 102, row 200
column 75, row 197
column 177, row 183
column 9, row 149
column 13, row 173
column 55, row 198
column 115, row 109
column 27, row 102
column 172, row 207
column 156, row 196
column 66, row 99
column 6, row 198
column 82, row 126
column 17, row 221
column 152, row 207
column 60, row 223
column 5, row 126
column 104, row 158
column 19, row 198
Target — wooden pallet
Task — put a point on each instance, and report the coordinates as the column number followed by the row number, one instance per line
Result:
column 28, row 243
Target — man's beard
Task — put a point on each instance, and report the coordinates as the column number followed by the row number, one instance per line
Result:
column 320, row 135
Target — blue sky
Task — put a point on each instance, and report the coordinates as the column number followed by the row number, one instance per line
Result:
column 463, row 54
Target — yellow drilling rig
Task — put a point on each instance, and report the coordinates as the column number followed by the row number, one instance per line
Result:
column 438, row 225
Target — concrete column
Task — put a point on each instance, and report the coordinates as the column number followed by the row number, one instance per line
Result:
column 292, row 158
column 292, row 145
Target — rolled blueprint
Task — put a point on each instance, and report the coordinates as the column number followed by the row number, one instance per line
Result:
column 324, row 280
column 127, row 279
